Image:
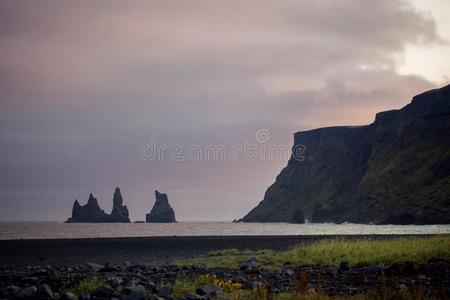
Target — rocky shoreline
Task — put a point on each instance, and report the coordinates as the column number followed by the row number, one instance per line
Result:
column 146, row 281
column 147, row 268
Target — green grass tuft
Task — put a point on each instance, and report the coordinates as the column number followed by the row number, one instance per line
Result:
column 86, row 286
column 183, row 286
column 335, row 251
column 369, row 251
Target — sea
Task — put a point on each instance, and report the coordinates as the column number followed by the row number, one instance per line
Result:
column 55, row 230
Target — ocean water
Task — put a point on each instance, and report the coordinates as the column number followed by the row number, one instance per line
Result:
column 54, row 230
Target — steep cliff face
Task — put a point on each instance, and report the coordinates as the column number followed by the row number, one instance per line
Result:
column 395, row 170
column 161, row 212
column 92, row 213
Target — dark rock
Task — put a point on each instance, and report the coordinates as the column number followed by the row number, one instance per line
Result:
column 110, row 268
column 12, row 291
column 102, row 292
column 376, row 268
column 412, row 268
column 251, row 266
column 135, row 293
column 394, row 170
column 210, row 290
column 69, row 296
column 85, row 297
column 191, row 296
column 288, row 271
column 115, row 281
column 92, row 213
column 151, row 286
column 28, row 292
column 29, row 280
column 45, row 291
column 165, row 291
column 344, row 266
column 94, row 266
column 331, row 270
column 119, row 212
column 89, row 213
column 161, row 212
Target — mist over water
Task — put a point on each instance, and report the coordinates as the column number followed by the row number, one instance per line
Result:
column 54, row 230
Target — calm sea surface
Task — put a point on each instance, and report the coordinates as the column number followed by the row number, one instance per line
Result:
column 54, row 230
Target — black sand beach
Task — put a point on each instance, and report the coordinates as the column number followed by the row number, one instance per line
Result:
column 16, row 253
column 146, row 268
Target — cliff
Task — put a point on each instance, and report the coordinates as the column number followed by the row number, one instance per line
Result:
column 92, row 213
column 395, row 170
column 161, row 212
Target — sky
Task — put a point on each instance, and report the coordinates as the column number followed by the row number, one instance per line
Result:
column 88, row 87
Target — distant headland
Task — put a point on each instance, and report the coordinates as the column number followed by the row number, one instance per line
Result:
column 393, row 171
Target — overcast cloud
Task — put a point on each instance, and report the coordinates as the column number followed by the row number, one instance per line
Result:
column 84, row 85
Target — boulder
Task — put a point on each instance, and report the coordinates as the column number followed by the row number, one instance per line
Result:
column 251, row 266
column 165, row 291
column 44, row 291
column 161, row 212
column 135, row 293
column 69, row 296
column 331, row 270
column 209, row 290
column 192, row 296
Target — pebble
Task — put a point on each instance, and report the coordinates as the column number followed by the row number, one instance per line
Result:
column 136, row 293
column 344, row 266
column 45, row 291
column 69, row 296
column 28, row 292
column 331, row 270
column 251, row 266
column 12, row 291
column 191, row 296
column 138, row 281
column 209, row 290
column 165, row 291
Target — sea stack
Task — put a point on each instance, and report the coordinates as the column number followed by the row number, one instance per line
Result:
column 92, row 213
column 88, row 213
column 119, row 213
column 161, row 212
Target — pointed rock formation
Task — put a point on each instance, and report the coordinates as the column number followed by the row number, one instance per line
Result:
column 161, row 212
column 92, row 213
column 89, row 213
column 119, row 212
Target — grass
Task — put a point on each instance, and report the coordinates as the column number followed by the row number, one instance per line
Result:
column 183, row 286
column 335, row 251
column 86, row 286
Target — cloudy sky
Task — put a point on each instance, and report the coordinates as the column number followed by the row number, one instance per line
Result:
column 85, row 85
